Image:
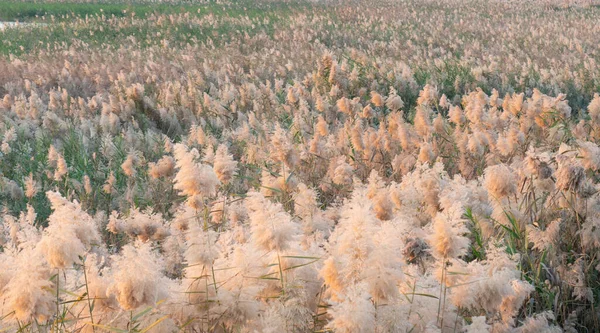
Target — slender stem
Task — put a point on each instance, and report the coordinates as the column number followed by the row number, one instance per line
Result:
column 212, row 266
column 316, row 318
column 412, row 299
column 207, row 300
column 444, row 302
column 442, row 288
column 281, row 273
column 57, row 296
column 87, row 292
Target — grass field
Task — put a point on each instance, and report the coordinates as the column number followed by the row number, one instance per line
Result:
column 65, row 26
column 25, row 11
column 32, row 11
column 300, row 166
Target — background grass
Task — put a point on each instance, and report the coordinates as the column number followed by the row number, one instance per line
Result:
column 59, row 28
column 34, row 11
column 28, row 11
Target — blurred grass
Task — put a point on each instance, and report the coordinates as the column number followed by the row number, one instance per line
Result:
column 24, row 11
column 28, row 11
column 61, row 28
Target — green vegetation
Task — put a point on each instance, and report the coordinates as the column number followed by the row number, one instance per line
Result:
column 31, row 11
column 35, row 11
column 93, row 24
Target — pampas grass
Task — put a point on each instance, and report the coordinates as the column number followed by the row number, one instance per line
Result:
column 420, row 166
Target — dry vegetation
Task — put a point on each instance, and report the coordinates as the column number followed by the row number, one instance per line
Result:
column 374, row 166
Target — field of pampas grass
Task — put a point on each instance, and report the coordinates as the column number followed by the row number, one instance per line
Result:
column 300, row 166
